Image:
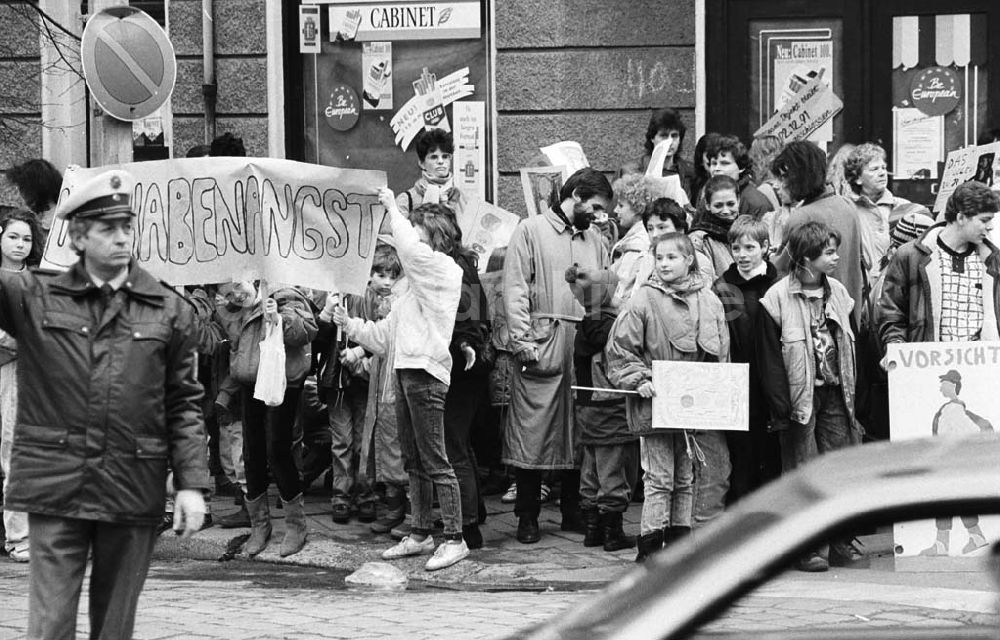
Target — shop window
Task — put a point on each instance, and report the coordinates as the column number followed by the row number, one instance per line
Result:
column 376, row 73
column 939, row 94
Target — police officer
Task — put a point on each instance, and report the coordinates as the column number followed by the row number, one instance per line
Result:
column 108, row 395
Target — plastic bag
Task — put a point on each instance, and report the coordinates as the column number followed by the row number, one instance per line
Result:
column 270, row 385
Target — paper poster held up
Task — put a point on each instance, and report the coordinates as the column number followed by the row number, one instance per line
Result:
column 538, row 185
column 945, row 390
column 701, row 395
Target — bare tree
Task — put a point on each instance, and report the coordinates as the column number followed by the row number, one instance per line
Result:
column 20, row 106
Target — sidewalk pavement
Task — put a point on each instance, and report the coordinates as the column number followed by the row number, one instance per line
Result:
column 558, row 561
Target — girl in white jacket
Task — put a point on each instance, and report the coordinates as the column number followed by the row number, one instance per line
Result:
column 420, row 326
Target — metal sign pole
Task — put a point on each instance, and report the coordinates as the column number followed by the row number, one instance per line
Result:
column 111, row 140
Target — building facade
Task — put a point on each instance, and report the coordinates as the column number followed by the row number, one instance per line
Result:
column 540, row 73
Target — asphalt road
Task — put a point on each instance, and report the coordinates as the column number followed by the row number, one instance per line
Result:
column 255, row 600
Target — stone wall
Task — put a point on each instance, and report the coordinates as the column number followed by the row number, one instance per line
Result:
column 20, row 96
column 240, row 73
column 589, row 71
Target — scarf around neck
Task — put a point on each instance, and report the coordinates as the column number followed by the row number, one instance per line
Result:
column 435, row 190
column 714, row 226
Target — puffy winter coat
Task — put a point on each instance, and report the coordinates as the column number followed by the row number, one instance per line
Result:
column 103, row 404
column 246, row 328
column 663, row 323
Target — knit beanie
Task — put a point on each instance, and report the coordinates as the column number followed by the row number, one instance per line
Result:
column 911, row 226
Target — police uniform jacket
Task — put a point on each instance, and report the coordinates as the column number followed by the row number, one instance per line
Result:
column 105, row 397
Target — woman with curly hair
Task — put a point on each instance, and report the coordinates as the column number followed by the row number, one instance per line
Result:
column 878, row 209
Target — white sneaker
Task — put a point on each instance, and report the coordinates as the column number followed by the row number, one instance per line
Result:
column 409, row 547
column 511, row 495
column 20, row 555
column 447, row 554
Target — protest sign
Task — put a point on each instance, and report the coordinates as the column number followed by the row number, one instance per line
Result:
column 486, row 227
column 204, row 220
column 947, row 390
column 568, row 154
column 701, row 395
column 539, row 184
column 809, row 108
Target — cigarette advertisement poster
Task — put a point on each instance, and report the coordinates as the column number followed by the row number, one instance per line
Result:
column 207, row 220
column 943, row 390
column 470, row 147
column 701, row 395
column 376, row 62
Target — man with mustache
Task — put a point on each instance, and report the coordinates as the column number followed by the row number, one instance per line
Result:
column 542, row 315
column 107, row 395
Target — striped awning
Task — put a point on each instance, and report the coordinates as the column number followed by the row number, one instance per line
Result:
column 924, row 41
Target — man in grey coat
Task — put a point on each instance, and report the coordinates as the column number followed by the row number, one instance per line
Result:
column 542, row 315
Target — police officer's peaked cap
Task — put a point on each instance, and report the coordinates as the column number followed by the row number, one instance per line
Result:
column 106, row 196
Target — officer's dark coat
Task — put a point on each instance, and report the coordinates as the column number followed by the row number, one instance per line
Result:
column 102, row 403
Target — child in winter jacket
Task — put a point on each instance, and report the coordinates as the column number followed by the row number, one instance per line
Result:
column 673, row 316
column 344, row 384
column 610, row 451
column 754, row 455
column 805, row 346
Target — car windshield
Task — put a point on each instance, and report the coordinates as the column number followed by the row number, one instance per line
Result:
column 936, row 577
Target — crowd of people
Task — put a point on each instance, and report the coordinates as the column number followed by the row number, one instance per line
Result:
column 423, row 388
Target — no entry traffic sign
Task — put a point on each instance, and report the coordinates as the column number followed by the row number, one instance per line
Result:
column 128, row 62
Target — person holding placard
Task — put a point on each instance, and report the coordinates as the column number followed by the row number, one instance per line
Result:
column 247, row 316
column 943, row 286
column 419, row 328
column 665, row 126
column 673, row 316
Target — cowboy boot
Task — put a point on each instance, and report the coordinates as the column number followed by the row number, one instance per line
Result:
column 295, row 527
column 260, row 525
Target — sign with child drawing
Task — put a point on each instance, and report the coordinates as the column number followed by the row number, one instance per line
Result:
column 701, row 395
column 486, row 227
column 946, row 390
column 205, row 220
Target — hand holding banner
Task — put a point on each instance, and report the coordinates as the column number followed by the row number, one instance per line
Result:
column 204, row 220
